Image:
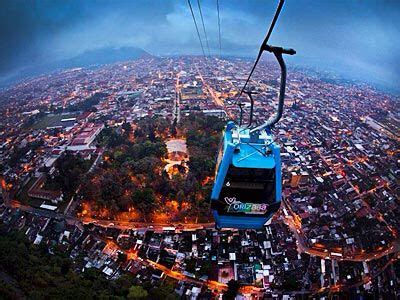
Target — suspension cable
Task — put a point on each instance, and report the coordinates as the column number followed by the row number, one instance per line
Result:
column 204, row 27
column 197, row 28
column 271, row 27
column 219, row 29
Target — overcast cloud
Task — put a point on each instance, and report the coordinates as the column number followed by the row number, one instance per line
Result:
column 360, row 38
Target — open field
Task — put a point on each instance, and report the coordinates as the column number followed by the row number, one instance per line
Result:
column 51, row 121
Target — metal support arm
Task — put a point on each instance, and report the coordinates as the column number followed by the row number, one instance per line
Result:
column 278, row 51
column 250, row 93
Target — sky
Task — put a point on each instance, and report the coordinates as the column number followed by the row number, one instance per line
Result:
column 356, row 38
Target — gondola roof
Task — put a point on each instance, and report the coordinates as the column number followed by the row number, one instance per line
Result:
column 250, row 154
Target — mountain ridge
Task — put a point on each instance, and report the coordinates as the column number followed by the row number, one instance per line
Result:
column 93, row 57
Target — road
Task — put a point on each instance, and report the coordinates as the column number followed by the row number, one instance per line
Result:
column 111, row 223
column 364, row 280
column 360, row 196
column 177, row 108
column 211, row 284
column 217, row 100
column 146, row 225
column 295, row 228
column 302, row 247
column 214, row 285
column 5, row 191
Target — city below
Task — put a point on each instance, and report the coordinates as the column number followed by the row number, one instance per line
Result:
column 111, row 168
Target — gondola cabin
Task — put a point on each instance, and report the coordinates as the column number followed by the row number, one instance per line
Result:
column 247, row 188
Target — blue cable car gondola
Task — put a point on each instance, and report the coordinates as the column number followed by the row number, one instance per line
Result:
column 248, row 187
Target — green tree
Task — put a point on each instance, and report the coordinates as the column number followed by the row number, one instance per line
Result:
column 180, row 196
column 127, row 128
column 137, row 292
column 33, row 273
column 122, row 257
column 163, row 292
column 110, row 189
column 205, row 267
column 69, row 171
column 191, row 265
column 290, row 284
column 231, row 292
column 144, row 200
column 173, row 128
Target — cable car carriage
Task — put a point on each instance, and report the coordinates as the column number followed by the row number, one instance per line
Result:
column 247, row 190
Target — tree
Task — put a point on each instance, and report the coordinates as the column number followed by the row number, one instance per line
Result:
column 122, row 284
column 163, row 292
column 110, row 189
column 90, row 188
column 231, row 292
column 290, row 284
column 65, row 267
column 137, row 292
column 69, row 170
column 122, row 257
column 205, row 267
column 127, row 128
column 144, row 200
column 173, row 129
column 89, row 103
column 146, row 165
column 33, row 273
column 180, row 196
column 115, row 140
column 191, row 265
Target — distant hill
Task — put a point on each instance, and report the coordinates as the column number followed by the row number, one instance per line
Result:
column 102, row 56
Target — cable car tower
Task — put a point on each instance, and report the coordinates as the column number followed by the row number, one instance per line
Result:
column 247, row 190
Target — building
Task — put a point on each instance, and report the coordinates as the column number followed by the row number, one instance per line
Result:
column 87, row 135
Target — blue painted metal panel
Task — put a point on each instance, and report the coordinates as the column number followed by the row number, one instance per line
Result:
column 278, row 172
column 222, row 170
column 246, row 157
column 240, row 222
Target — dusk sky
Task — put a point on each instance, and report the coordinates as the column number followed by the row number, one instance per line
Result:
column 358, row 39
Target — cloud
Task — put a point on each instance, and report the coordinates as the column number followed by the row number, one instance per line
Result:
column 361, row 36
